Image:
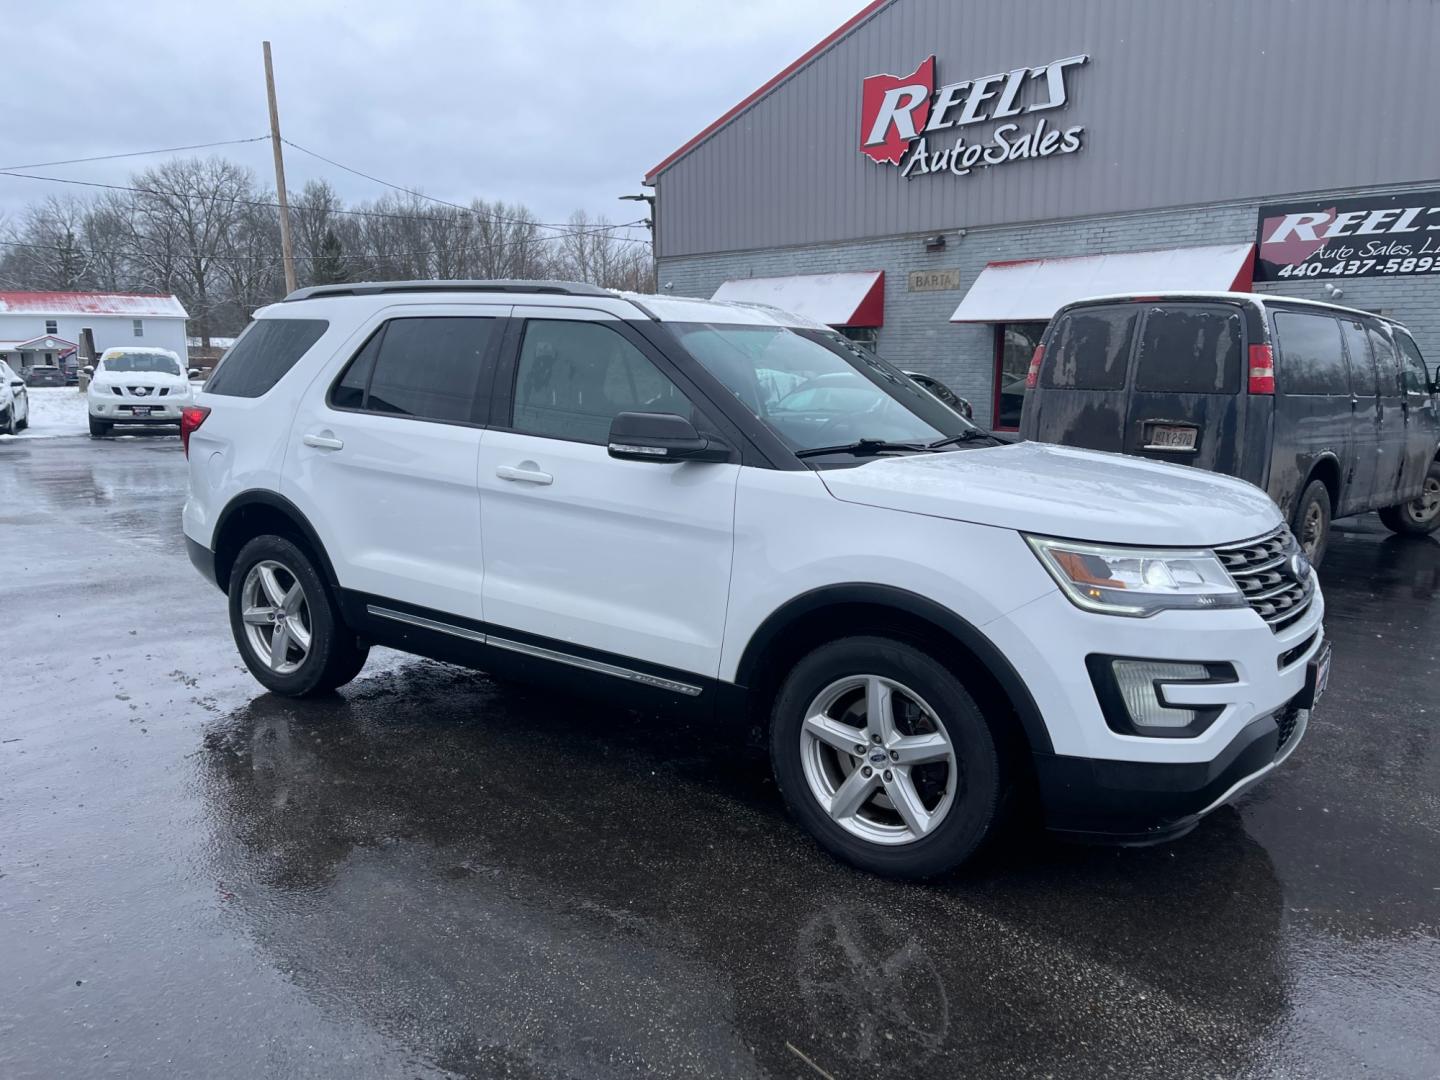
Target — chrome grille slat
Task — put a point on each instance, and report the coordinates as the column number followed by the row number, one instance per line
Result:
column 1255, row 565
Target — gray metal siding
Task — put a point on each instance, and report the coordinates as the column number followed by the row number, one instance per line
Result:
column 1182, row 102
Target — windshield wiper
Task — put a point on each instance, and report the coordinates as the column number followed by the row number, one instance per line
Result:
column 968, row 435
column 860, row 446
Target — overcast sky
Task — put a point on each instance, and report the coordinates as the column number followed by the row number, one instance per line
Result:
column 555, row 103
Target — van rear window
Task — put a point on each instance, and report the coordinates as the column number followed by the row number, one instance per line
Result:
column 1312, row 358
column 264, row 353
column 1190, row 351
column 1090, row 350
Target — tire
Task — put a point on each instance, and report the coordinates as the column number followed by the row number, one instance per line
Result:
column 7, row 422
column 98, row 428
column 961, row 794
column 21, row 425
column 1418, row 517
column 1312, row 521
column 262, row 581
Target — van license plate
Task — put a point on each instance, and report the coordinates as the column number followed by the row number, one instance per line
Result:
column 1171, row 438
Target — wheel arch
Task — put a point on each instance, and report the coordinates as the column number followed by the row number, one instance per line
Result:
column 835, row 611
column 1326, row 469
column 257, row 513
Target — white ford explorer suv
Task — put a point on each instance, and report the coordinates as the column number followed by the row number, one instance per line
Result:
column 136, row 387
column 689, row 505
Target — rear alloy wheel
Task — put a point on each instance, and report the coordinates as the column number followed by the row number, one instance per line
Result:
column 1312, row 521
column 883, row 755
column 1420, row 516
column 288, row 630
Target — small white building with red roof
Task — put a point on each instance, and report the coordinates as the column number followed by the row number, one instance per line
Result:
column 47, row 327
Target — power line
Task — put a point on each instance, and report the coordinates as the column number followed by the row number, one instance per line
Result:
column 136, row 153
column 243, row 201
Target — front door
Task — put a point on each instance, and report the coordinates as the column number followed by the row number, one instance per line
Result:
column 581, row 549
column 382, row 459
column 1422, row 429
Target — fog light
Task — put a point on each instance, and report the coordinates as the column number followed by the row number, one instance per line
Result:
column 1138, row 682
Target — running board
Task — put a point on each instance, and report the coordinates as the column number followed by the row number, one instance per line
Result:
column 570, row 659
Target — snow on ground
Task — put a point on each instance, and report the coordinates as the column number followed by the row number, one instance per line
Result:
column 58, row 411
column 54, row 411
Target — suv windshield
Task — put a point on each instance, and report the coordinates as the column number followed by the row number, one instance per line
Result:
column 816, row 389
column 131, row 362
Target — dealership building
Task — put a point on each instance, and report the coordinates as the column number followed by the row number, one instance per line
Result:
column 937, row 177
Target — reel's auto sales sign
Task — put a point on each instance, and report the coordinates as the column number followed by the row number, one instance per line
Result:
column 1372, row 236
column 907, row 122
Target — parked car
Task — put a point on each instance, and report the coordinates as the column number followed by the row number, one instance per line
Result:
column 944, row 393
column 1328, row 409
column 612, row 492
column 45, row 375
column 14, row 401
column 136, row 387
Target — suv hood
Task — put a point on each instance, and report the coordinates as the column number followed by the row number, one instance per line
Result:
column 1060, row 491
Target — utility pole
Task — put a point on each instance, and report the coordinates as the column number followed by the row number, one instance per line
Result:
column 285, row 248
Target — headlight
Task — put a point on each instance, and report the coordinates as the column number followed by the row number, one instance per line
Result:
column 1136, row 581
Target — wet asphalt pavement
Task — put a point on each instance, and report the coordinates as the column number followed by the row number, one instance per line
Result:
column 437, row 874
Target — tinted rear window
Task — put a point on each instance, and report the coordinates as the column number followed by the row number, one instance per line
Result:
column 1091, row 349
column 265, row 352
column 1191, row 351
column 431, row 368
column 1311, row 360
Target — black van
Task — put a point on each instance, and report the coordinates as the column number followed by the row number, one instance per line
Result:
column 1329, row 409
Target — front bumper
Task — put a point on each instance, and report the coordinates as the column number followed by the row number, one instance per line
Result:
column 1138, row 802
column 118, row 412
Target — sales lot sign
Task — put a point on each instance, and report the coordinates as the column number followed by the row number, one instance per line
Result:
column 1371, row 236
column 924, row 130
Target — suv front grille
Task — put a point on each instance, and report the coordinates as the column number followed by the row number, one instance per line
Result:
column 1261, row 570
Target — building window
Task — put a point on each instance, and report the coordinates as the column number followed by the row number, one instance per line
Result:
column 52, row 326
column 1014, row 346
column 138, row 325
column 867, row 336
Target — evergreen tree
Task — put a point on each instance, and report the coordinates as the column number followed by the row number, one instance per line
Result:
column 330, row 265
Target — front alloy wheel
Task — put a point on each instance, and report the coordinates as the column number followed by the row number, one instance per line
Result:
column 276, row 616
column 882, row 754
column 877, row 758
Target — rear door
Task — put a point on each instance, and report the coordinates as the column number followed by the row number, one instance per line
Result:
column 1083, row 389
column 1390, row 479
column 383, row 459
column 1185, row 398
column 1314, row 411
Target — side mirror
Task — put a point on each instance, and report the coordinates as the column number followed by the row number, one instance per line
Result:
column 661, row 437
column 17, row 383
column 89, row 369
column 194, row 373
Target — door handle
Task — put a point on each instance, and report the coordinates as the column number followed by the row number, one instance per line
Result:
column 527, row 473
column 323, row 442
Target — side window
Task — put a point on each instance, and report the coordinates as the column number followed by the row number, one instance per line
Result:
column 1191, row 351
column 1091, row 349
column 1312, row 357
column 573, row 378
column 264, row 352
column 422, row 368
column 1362, row 368
column 1387, row 364
column 1413, row 376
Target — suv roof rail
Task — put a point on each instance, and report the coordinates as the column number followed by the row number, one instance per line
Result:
column 500, row 285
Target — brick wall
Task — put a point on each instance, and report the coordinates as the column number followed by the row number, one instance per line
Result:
column 918, row 334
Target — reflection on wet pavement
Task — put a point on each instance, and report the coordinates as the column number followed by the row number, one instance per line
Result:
column 436, row 873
